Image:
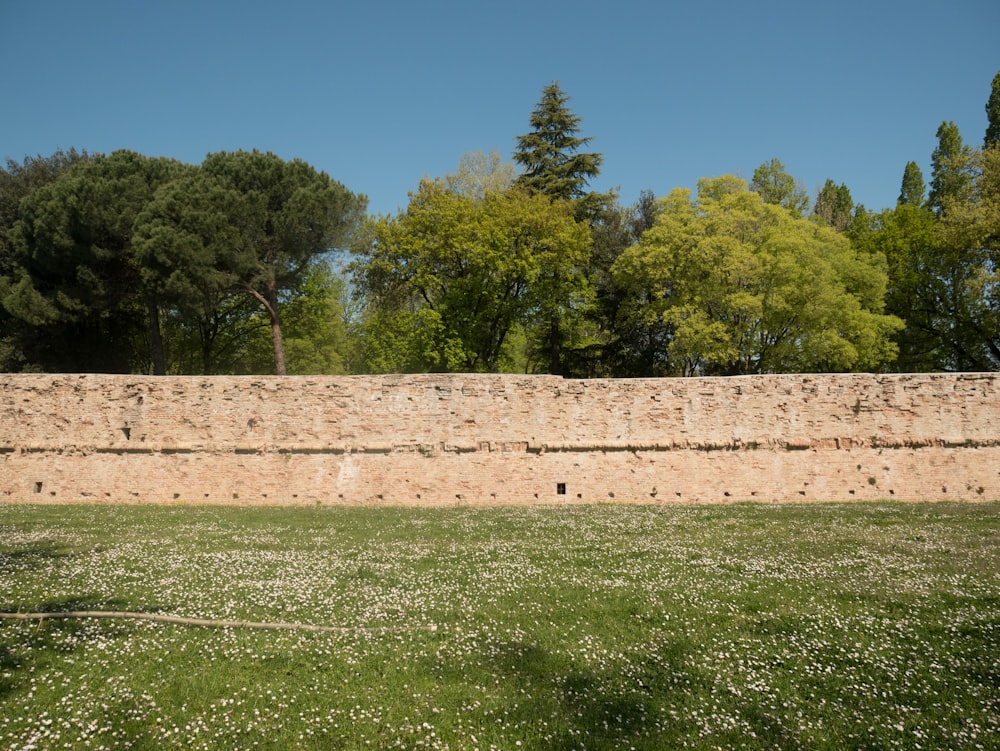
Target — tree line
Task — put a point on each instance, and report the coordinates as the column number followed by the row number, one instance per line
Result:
column 248, row 263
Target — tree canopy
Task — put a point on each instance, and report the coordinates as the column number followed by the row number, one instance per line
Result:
column 776, row 186
column 449, row 279
column 550, row 153
column 912, row 190
column 744, row 286
column 128, row 263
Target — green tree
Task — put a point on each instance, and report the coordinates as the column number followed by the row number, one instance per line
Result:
column 743, row 286
column 447, row 281
column 185, row 239
column 76, row 279
column 554, row 166
column 17, row 181
column 971, row 238
column 834, row 206
column 777, row 187
column 291, row 217
column 549, row 154
column 912, row 190
column 951, row 169
column 478, row 174
column 943, row 274
column 993, row 114
column 908, row 237
column 315, row 321
column 624, row 347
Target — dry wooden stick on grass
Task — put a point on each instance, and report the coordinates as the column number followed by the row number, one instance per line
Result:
column 209, row 623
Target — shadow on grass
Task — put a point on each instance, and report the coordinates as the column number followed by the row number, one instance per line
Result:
column 30, row 646
column 611, row 707
column 29, row 557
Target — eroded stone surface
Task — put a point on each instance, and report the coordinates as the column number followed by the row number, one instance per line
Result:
column 447, row 439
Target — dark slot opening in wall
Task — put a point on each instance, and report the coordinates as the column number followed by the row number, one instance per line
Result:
column 560, row 488
column 38, row 487
column 127, row 433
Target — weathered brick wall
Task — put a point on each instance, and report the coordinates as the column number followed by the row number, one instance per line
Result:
column 447, row 439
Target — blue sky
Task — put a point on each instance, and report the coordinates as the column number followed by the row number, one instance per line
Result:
column 381, row 93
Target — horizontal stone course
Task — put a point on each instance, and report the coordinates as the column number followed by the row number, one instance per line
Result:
column 456, row 439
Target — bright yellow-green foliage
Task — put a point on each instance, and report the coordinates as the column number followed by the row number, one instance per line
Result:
column 746, row 287
column 943, row 266
column 448, row 280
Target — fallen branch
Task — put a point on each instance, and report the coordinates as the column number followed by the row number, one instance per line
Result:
column 207, row 623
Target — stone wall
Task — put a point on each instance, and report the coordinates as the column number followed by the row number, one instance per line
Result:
column 466, row 439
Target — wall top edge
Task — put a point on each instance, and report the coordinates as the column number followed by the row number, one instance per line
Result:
column 491, row 377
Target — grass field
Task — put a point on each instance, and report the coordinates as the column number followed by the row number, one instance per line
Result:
column 866, row 626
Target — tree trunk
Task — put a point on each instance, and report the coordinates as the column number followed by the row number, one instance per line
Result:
column 555, row 347
column 276, row 338
column 156, row 339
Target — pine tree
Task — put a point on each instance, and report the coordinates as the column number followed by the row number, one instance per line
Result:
column 549, row 153
column 951, row 168
column 993, row 114
column 834, row 205
column 913, row 189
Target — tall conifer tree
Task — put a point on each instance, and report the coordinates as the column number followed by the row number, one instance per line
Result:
column 993, row 114
column 549, row 153
column 554, row 166
column 913, row 189
column 951, row 168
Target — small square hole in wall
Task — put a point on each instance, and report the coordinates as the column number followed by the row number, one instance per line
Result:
column 560, row 488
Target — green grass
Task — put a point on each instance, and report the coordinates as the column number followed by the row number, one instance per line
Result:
column 863, row 626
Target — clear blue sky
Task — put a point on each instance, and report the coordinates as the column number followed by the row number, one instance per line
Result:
column 381, row 93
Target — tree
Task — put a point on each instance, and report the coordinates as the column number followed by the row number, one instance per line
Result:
column 479, row 174
column 549, row 153
column 908, row 237
column 834, row 206
column 316, row 325
column 951, row 168
column 912, row 190
column 553, row 166
column 447, row 281
column 623, row 347
column 971, row 237
column 185, row 239
column 743, row 286
column 77, row 281
column 993, row 114
column 943, row 274
column 17, row 182
column 291, row 217
column 777, row 187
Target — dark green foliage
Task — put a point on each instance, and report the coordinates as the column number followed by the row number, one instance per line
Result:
column 124, row 263
column 951, row 169
column 553, row 166
column 834, row 206
column 626, row 348
column 912, row 190
column 17, row 181
column 549, row 153
column 76, row 280
column 993, row 114
column 943, row 274
column 290, row 216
